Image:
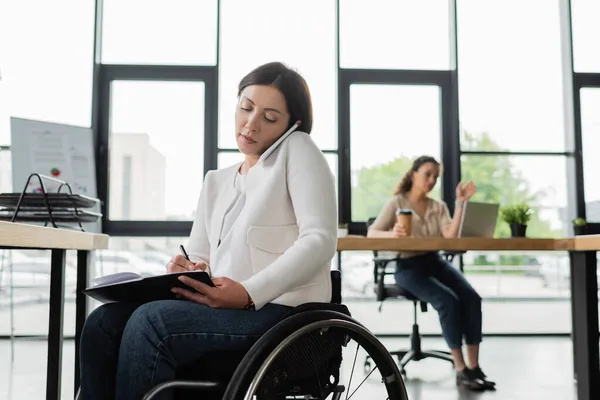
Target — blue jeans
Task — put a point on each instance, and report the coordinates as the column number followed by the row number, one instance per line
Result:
column 126, row 349
column 432, row 279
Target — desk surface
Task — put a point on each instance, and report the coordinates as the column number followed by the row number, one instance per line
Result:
column 14, row 234
column 587, row 242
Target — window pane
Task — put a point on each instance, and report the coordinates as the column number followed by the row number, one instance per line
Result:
column 157, row 147
column 586, row 30
column 539, row 181
column 510, row 82
column 390, row 125
column 590, row 128
column 46, row 60
column 393, row 34
column 175, row 32
column 310, row 51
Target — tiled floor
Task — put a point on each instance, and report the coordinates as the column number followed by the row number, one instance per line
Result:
column 524, row 369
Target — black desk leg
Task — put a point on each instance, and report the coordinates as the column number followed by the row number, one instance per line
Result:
column 83, row 260
column 55, row 325
column 584, row 298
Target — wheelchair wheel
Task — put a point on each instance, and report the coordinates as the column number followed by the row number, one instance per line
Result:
column 302, row 356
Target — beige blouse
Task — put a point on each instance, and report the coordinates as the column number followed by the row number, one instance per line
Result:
column 436, row 217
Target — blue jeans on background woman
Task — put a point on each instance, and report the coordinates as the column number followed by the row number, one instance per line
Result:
column 131, row 348
column 434, row 280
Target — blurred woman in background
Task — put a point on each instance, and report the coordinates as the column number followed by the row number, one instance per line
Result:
column 427, row 275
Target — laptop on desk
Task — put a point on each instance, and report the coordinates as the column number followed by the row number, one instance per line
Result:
column 478, row 219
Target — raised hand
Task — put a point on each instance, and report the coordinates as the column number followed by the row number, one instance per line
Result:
column 464, row 191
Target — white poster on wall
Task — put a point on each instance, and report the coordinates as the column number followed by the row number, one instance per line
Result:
column 65, row 152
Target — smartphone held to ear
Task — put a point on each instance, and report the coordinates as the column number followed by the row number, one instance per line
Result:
column 278, row 141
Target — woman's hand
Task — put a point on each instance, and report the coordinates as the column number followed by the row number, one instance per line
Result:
column 227, row 293
column 180, row 264
column 398, row 231
column 465, row 191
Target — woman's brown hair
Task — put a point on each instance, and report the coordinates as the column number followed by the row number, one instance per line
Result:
column 291, row 84
column 406, row 183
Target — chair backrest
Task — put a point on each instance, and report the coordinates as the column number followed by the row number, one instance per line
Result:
column 336, row 286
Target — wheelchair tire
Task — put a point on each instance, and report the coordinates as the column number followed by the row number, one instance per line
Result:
column 254, row 365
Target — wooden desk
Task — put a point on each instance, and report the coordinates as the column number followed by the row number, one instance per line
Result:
column 584, row 286
column 458, row 244
column 24, row 236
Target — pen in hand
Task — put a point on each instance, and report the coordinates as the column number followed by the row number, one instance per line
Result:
column 187, row 257
column 185, row 254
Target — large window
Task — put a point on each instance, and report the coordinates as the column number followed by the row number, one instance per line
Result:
column 514, row 147
column 301, row 36
column 46, row 59
column 167, row 66
column 173, row 32
column 511, row 102
column 510, row 75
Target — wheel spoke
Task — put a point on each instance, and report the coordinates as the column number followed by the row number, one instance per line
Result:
column 352, row 372
column 363, row 381
column 296, row 327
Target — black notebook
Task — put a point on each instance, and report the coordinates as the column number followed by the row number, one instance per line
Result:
column 131, row 287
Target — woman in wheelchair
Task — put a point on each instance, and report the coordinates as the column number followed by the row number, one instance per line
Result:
column 265, row 230
column 427, row 275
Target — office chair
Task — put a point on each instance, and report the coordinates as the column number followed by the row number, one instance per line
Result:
column 384, row 291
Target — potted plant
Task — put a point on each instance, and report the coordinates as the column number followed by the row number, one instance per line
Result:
column 579, row 226
column 517, row 216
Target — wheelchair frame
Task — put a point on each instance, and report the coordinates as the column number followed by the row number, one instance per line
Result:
column 251, row 370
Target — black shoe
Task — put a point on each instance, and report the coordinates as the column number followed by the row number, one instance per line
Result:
column 478, row 373
column 466, row 379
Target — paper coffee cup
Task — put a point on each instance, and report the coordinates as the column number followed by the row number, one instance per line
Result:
column 404, row 219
